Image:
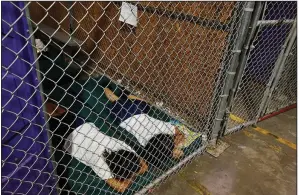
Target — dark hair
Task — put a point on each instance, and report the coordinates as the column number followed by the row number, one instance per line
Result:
column 122, row 163
column 159, row 149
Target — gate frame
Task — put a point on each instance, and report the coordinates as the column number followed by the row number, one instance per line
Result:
column 280, row 65
column 276, row 72
column 258, row 12
column 221, row 116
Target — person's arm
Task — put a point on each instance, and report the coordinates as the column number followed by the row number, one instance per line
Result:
column 110, row 95
column 119, row 185
column 179, row 138
column 113, row 97
column 133, row 97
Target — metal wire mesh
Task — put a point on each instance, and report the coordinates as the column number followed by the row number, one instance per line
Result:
column 265, row 50
column 96, row 133
column 285, row 93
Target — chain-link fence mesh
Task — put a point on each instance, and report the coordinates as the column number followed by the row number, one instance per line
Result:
column 285, row 93
column 99, row 137
column 113, row 97
column 152, row 68
column 274, row 27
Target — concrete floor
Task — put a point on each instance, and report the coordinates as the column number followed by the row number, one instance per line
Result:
column 253, row 164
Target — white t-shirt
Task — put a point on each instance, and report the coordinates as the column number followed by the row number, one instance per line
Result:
column 87, row 144
column 144, row 127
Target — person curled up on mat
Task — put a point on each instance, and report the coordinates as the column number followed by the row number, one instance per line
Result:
column 160, row 139
column 111, row 159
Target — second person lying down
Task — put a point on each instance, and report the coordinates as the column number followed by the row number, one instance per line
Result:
column 111, row 159
column 160, row 139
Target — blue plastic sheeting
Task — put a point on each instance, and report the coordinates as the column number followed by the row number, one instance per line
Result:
column 277, row 10
column 25, row 151
column 267, row 48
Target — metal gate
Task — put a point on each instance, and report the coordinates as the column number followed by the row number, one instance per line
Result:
column 284, row 89
column 274, row 30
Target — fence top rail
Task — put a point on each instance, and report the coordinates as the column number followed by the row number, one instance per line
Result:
column 274, row 22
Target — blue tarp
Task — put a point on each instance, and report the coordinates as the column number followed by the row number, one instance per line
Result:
column 278, row 10
column 269, row 40
column 26, row 168
column 267, row 48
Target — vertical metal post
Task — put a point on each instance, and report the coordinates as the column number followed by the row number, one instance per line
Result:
column 279, row 66
column 230, row 74
column 247, row 47
column 285, row 55
column 218, row 87
column 258, row 8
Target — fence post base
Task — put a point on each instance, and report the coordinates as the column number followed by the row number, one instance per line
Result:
column 218, row 149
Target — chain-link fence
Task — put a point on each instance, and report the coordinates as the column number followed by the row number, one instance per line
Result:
column 272, row 33
column 113, row 97
column 285, row 92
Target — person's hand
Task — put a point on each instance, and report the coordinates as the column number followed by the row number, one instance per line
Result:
column 177, row 153
column 118, row 185
column 53, row 109
column 143, row 167
column 179, row 137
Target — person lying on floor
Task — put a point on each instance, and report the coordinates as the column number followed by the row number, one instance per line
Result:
column 111, row 159
column 160, row 139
